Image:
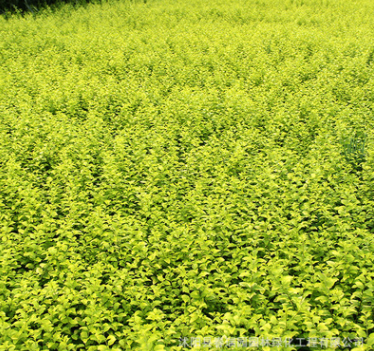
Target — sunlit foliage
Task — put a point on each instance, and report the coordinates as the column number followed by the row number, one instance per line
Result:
column 186, row 168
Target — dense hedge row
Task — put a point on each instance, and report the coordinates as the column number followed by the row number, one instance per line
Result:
column 183, row 169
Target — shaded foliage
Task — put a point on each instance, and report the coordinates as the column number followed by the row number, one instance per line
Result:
column 33, row 6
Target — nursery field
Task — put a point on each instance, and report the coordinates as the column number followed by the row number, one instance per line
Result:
column 176, row 173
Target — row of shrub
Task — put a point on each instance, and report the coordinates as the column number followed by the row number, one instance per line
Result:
column 186, row 169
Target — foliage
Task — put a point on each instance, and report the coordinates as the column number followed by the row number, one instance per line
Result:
column 189, row 169
column 354, row 150
column 32, row 6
